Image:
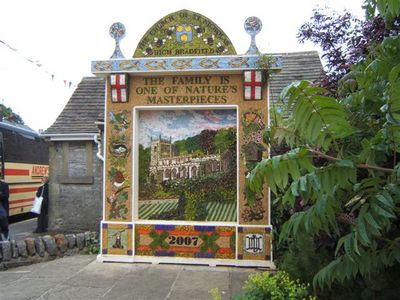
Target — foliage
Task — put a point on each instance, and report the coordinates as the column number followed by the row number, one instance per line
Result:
column 180, row 146
column 387, row 9
column 189, row 208
column 8, row 114
column 214, row 187
column 345, row 40
column 215, row 294
column 341, row 176
column 206, row 141
column 201, row 211
column 225, row 140
column 159, row 193
column 304, row 257
column 333, row 33
column 189, row 145
column 144, row 163
column 195, row 193
column 265, row 63
column 118, row 206
column 92, row 244
column 278, row 286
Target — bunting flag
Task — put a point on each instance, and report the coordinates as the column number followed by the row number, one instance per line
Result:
column 118, row 88
column 252, row 85
column 36, row 63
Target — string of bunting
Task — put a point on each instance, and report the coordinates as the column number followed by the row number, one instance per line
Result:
column 36, row 63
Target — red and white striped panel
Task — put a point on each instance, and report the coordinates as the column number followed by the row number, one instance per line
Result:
column 23, row 181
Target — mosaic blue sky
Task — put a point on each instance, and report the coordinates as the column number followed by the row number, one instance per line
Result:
column 46, row 46
column 181, row 124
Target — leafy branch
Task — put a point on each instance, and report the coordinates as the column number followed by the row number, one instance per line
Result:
column 317, row 119
column 333, row 143
column 361, row 166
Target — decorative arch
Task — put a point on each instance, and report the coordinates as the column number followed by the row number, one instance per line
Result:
column 168, row 174
column 184, row 33
column 174, row 173
column 194, row 171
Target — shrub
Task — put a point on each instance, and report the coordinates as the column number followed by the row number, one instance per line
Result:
column 215, row 294
column 201, row 211
column 276, row 287
column 303, row 258
column 190, row 208
column 92, row 244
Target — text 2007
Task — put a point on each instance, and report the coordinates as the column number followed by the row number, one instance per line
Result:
column 183, row 240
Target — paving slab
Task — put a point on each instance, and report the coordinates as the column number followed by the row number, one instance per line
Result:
column 148, row 282
column 199, row 283
column 82, row 277
column 29, row 288
column 97, row 277
column 63, row 291
column 8, row 277
column 237, row 280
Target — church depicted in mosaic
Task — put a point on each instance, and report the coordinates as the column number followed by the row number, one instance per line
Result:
column 164, row 165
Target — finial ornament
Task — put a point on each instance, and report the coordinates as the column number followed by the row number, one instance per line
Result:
column 117, row 32
column 253, row 26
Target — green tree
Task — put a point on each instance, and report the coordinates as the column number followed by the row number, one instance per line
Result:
column 8, row 114
column 144, row 164
column 189, row 145
column 181, row 147
column 192, row 144
column 342, row 174
column 206, row 141
column 225, row 140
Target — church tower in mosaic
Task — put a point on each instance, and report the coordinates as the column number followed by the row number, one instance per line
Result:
column 159, row 149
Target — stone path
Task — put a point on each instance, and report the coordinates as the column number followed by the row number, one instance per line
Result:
column 82, row 277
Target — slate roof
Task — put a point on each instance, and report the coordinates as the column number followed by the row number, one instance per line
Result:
column 296, row 66
column 86, row 105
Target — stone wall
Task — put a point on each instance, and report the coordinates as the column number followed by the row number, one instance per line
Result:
column 75, row 187
column 34, row 250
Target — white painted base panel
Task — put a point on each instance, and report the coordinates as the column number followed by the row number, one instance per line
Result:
column 183, row 260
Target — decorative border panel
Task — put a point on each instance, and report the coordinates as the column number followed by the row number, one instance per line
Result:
column 254, row 243
column 116, row 239
column 201, row 63
column 185, row 241
column 118, row 204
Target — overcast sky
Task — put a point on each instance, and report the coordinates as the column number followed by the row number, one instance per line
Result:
column 50, row 43
column 181, row 124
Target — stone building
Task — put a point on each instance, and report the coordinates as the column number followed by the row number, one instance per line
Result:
column 76, row 168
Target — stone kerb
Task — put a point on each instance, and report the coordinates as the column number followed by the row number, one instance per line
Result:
column 43, row 248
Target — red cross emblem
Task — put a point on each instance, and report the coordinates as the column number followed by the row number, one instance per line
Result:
column 118, row 88
column 252, row 85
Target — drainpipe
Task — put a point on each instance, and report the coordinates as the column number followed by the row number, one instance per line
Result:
column 96, row 139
